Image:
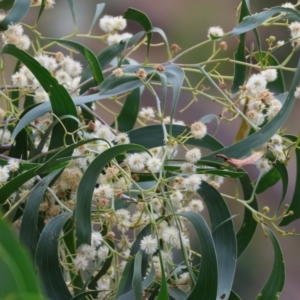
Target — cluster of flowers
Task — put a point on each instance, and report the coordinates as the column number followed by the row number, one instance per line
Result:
column 111, row 25
column 66, row 70
column 261, row 103
column 15, row 35
column 158, row 205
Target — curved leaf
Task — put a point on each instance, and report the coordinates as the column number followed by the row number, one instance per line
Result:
column 141, row 18
column 137, row 276
column 16, row 14
column 17, row 271
column 29, row 231
column 207, row 281
column 126, row 276
column 175, row 76
column 71, row 4
column 89, row 56
column 61, row 101
column 248, row 227
column 275, row 282
column 267, row 180
column 129, row 113
column 295, row 203
column 99, row 9
column 239, row 55
column 86, row 189
column 163, row 291
column 224, row 237
column 47, row 259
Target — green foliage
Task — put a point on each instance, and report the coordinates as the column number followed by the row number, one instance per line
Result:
column 104, row 210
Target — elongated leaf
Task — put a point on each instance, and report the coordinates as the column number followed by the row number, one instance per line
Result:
column 16, row 14
column 248, row 227
column 256, row 20
column 275, row 282
column 282, row 170
column 43, row 4
column 129, row 113
column 141, row 18
column 71, row 4
column 17, row 271
column 128, row 270
column 88, row 55
column 255, row 140
column 29, row 231
column 147, row 282
column 137, row 276
column 61, row 101
column 48, row 261
column 86, row 189
column 239, row 55
column 223, row 235
column 269, row 179
column 295, row 203
column 163, row 291
column 98, row 12
column 104, row 268
column 207, row 281
column 175, row 77
column 162, row 34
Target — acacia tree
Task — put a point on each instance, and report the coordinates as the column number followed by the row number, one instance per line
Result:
column 105, row 210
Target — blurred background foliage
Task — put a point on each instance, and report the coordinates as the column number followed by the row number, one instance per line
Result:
column 186, row 23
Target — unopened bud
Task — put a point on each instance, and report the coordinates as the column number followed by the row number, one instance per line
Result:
column 175, row 47
column 223, row 45
column 59, row 56
column 222, row 85
column 110, row 235
column 160, row 68
column 266, row 209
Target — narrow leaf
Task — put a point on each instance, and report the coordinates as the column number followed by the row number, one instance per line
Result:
column 137, row 276
column 16, row 258
column 207, row 281
column 248, row 227
column 129, row 113
column 223, row 235
column 86, row 189
column 98, row 12
column 295, row 203
column 61, row 101
column 48, row 260
column 29, row 231
column 88, row 55
column 141, row 18
column 71, row 4
column 268, row 180
column 275, row 282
